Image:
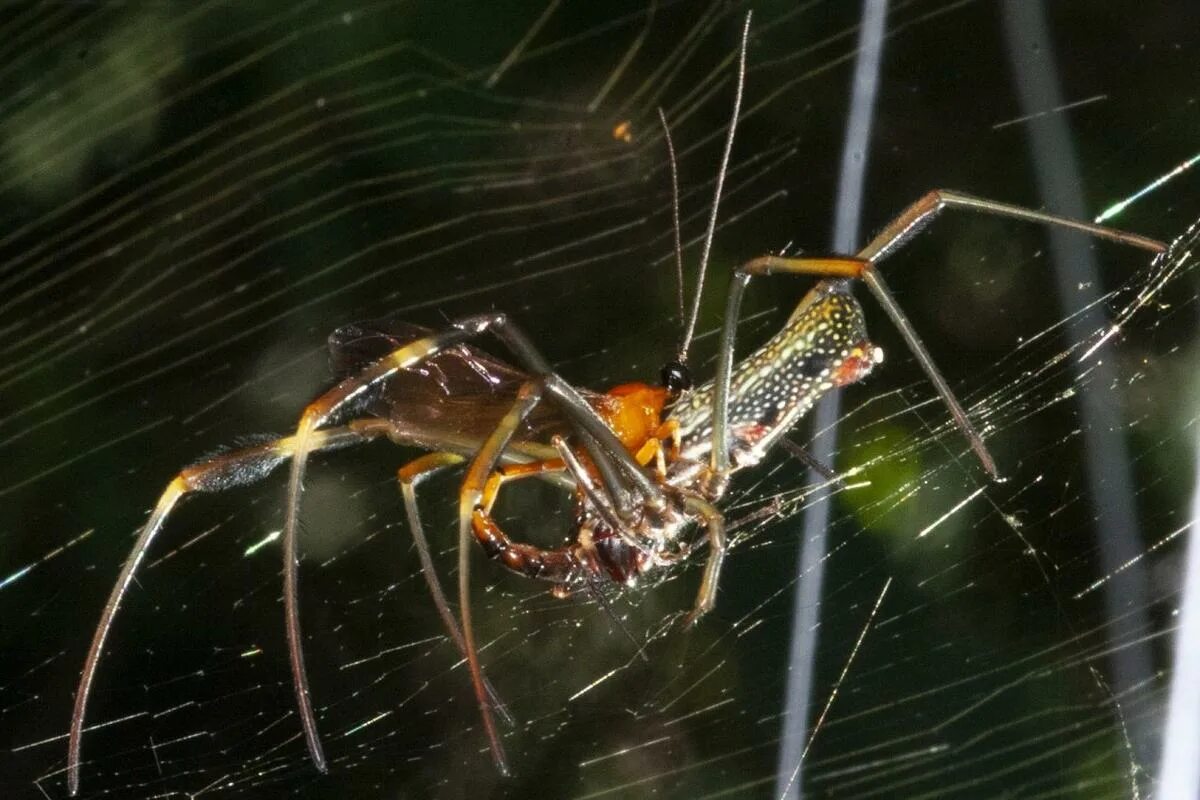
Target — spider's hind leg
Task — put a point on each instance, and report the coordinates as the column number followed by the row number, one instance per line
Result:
column 929, row 206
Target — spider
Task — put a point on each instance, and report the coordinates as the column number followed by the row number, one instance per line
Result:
column 647, row 464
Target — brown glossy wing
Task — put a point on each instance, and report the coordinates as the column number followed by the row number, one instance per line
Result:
column 453, row 399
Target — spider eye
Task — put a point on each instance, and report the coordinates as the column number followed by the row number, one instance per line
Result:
column 676, row 377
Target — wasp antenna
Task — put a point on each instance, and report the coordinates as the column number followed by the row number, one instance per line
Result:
column 690, row 330
column 662, row 118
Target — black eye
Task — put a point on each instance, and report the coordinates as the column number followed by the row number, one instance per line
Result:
column 676, row 377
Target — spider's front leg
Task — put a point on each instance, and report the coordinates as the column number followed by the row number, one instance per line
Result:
column 216, row 474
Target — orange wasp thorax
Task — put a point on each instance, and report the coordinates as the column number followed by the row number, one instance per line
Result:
column 634, row 412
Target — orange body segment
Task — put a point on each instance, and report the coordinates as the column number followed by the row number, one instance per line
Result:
column 634, row 412
column 510, row 472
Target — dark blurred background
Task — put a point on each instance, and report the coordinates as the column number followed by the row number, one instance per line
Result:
column 194, row 196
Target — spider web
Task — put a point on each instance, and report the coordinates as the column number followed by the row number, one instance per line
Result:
column 195, row 195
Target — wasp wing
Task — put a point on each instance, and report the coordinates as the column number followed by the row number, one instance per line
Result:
column 453, row 399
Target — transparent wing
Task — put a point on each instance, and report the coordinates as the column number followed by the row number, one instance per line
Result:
column 453, row 399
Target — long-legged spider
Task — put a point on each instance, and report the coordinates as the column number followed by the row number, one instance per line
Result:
column 647, row 464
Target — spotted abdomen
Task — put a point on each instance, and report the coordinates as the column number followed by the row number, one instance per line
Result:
column 824, row 345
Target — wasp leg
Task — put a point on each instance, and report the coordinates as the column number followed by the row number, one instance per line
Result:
column 354, row 388
column 558, row 565
column 655, row 450
column 224, row 471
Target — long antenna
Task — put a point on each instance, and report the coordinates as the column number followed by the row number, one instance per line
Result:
column 690, row 330
column 674, row 207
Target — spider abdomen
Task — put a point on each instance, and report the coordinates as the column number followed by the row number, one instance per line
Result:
column 823, row 346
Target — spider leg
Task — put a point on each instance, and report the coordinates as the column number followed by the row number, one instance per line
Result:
column 599, row 499
column 862, row 267
column 833, row 267
column 706, row 598
column 913, row 220
column 224, row 471
column 482, row 482
column 836, row 266
column 324, row 408
column 652, row 450
column 469, row 504
column 603, row 506
column 409, row 476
